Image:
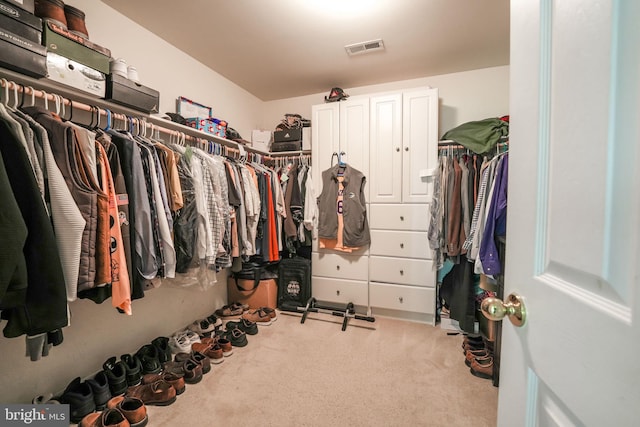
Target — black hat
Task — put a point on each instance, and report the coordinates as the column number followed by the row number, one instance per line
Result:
column 336, row 94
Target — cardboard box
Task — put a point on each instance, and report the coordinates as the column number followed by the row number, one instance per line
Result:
column 64, row 43
column 261, row 139
column 71, row 73
column 28, row 5
column 20, row 22
column 203, row 124
column 22, row 55
column 188, row 108
column 280, row 146
column 287, row 135
column 243, row 291
column 131, row 94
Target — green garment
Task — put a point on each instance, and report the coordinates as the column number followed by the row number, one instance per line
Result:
column 479, row 136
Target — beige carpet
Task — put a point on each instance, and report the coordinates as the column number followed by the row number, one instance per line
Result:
column 313, row 374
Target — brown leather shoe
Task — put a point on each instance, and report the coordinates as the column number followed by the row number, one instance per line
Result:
column 106, row 418
column 190, row 369
column 132, row 408
column 258, row 316
column 51, row 10
column 212, row 351
column 75, row 21
column 160, row 393
column 475, row 354
column 482, row 368
column 176, row 380
column 225, row 344
column 196, row 356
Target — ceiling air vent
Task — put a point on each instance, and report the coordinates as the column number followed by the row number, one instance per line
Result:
column 364, row 47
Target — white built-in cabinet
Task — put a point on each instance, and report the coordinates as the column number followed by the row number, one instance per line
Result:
column 393, row 139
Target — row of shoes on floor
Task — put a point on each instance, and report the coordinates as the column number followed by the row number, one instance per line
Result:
column 157, row 373
column 478, row 354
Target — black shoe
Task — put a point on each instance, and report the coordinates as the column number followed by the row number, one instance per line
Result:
column 237, row 337
column 246, row 326
column 133, row 368
column 150, row 359
column 79, row 396
column 100, row 388
column 117, row 375
column 162, row 345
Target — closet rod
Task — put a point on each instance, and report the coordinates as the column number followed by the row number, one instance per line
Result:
column 203, row 142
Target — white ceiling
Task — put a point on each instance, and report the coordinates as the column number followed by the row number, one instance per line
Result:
column 279, row 49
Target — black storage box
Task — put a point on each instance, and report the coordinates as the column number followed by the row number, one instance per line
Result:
column 22, row 55
column 20, row 22
column 131, row 94
column 65, row 43
column 28, row 5
column 287, row 135
column 286, row 146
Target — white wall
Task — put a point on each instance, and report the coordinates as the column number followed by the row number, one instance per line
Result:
column 466, row 96
column 98, row 331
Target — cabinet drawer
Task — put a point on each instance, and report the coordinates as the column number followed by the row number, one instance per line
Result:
column 403, row 298
column 405, row 271
column 399, row 217
column 340, row 291
column 339, row 266
column 315, row 247
column 408, row 244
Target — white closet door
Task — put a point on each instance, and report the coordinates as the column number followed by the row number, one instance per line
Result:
column 386, row 149
column 325, row 139
column 420, row 144
column 354, row 135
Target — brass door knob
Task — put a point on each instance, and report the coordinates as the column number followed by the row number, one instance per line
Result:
column 496, row 309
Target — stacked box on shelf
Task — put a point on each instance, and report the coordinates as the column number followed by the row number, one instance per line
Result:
column 20, row 35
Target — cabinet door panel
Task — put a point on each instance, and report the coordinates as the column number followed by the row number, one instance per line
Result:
column 340, row 266
column 325, row 140
column 404, row 244
column 340, row 291
column 405, row 271
column 354, row 135
column 386, row 149
column 420, row 144
column 403, row 298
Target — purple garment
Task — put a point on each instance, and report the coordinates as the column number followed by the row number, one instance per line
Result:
column 496, row 224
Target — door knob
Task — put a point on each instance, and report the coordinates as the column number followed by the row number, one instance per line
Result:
column 495, row 309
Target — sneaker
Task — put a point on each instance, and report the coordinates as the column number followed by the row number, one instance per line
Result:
column 149, row 358
column 482, row 368
column 132, row 408
column 117, row 375
column 475, row 354
column 46, row 399
column 223, row 343
column 230, row 310
column 181, row 342
column 236, row 337
column 100, row 387
column 159, row 393
column 212, row 351
column 271, row 312
column 189, row 369
column 196, row 356
column 162, row 345
column 176, row 380
column 79, row 396
column 258, row 316
column 202, row 327
column 244, row 325
column 215, row 320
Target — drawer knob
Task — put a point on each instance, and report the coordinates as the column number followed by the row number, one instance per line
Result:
column 338, row 292
column 401, row 300
column 401, row 245
column 401, row 272
column 406, row 148
column 398, row 149
column 337, row 267
column 401, row 218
